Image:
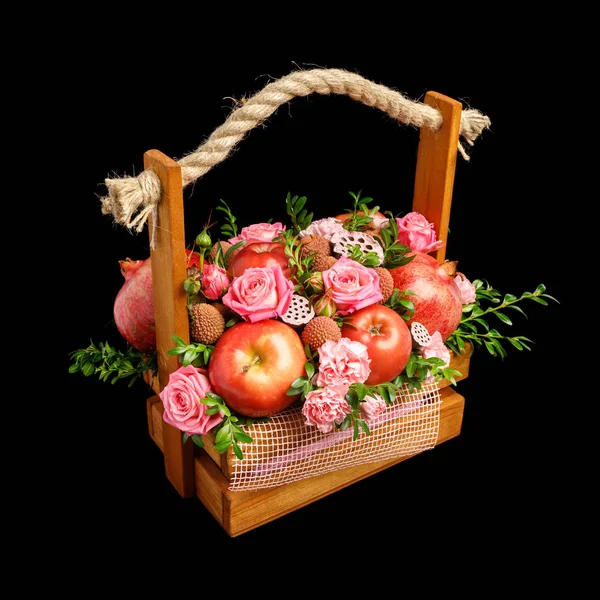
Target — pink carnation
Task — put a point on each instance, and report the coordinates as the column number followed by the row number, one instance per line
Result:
column 259, row 232
column 351, row 285
column 325, row 228
column 416, row 232
column 343, row 363
column 215, row 281
column 181, row 401
column 436, row 348
column 326, row 407
column 372, row 407
column 466, row 289
column 260, row 293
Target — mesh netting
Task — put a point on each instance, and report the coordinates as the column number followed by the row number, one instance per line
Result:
column 286, row 450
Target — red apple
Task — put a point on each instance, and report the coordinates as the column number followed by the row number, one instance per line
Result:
column 253, row 365
column 386, row 336
column 259, row 254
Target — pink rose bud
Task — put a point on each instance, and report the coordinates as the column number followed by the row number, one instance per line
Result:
column 259, row 232
column 260, row 293
column 466, row 289
column 315, row 283
column 215, row 281
column 416, row 232
column 351, row 285
column 372, row 407
column 324, row 306
column 325, row 407
column 181, row 401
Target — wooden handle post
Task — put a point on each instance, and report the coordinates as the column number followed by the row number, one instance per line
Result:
column 436, row 165
column 170, row 306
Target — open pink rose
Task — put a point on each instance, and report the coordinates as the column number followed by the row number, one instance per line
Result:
column 259, row 232
column 343, row 363
column 416, row 232
column 436, row 348
column 325, row 228
column 215, row 281
column 325, row 407
column 260, row 293
column 372, row 407
column 466, row 289
column 181, row 400
column 351, row 285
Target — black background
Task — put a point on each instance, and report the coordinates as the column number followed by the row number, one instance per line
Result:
column 480, row 485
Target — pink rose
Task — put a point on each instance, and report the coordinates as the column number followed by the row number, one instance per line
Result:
column 372, row 407
column 181, row 400
column 325, row 228
column 215, row 281
column 416, row 232
column 324, row 408
column 259, row 293
column 351, row 285
column 259, row 232
column 343, row 363
column 466, row 289
column 436, row 348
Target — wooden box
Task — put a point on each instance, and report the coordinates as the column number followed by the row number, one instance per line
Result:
column 204, row 472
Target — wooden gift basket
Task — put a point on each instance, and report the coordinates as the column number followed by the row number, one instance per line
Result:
column 204, row 472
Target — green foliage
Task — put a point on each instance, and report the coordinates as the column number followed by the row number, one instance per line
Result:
column 230, row 228
column 394, row 253
column 195, row 354
column 300, row 218
column 357, row 221
column 112, row 364
column 303, row 385
column 229, row 432
column 300, row 267
column 419, row 368
column 368, row 259
column 489, row 302
column 399, row 301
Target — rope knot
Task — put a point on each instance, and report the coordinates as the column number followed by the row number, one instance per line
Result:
column 131, row 200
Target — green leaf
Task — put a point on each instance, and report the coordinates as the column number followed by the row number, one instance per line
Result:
column 298, row 382
column 184, row 438
column 222, row 447
column 503, row 317
column 212, row 411
column 242, row 436
column 490, row 347
column 74, row 368
column 223, row 434
column 177, row 340
column 539, row 300
column 345, row 423
column 299, row 204
column 364, row 426
column 237, row 451
column 88, row 369
column 516, row 343
column 508, row 298
column 355, row 434
column 310, row 370
column 198, row 441
column 540, row 289
column 293, row 392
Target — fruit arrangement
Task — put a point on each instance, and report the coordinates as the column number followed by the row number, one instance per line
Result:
column 335, row 315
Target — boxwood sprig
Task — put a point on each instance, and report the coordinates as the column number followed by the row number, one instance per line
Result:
column 194, row 354
column 230, row 228
column 299, row 216
column 474, row 326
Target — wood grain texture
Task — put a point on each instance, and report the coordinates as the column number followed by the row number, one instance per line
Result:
column 436, row 165
column 170, row 306
column 240, row 512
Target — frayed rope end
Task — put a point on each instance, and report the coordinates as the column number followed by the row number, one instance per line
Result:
column 131, row 200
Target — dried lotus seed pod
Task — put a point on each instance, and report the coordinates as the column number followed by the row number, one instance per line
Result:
column 420, row 334
column 299, row 313
column 344, row 241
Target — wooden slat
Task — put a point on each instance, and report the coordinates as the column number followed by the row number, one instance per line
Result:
column 170, row 310
column 436, row 165
column 239, row 512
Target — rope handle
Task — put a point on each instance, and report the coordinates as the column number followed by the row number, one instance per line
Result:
column 131, row 200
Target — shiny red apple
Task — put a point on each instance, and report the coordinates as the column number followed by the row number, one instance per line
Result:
column 259, row 254
column 386, row 336
column 253, row 366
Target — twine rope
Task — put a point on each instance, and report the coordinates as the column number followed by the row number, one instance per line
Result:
column 131, row 200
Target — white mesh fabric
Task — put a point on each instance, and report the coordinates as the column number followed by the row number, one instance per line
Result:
column 286, row 450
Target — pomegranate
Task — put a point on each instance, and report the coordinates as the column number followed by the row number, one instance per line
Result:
column 436, row 295
column 134, row 305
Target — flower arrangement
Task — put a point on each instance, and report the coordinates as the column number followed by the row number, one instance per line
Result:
column 334, row 315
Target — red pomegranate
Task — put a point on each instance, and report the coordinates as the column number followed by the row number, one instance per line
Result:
column 134, row 305
column 436, row 296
